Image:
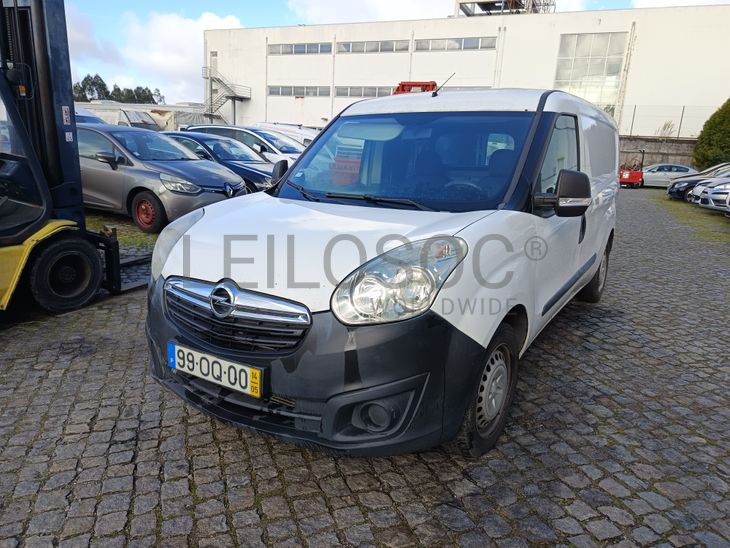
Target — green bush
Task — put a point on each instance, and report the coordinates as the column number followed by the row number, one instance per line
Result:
column 713, row 144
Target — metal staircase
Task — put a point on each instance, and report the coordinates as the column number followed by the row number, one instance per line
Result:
column 224, row 90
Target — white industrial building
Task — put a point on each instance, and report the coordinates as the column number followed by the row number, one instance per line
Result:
column 659, row 71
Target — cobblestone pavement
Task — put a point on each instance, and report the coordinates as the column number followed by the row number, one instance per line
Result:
column 620, row 433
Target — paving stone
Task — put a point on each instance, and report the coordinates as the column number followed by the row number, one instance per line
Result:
column 617, row 436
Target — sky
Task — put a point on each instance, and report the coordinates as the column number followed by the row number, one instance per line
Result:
column 160, row 44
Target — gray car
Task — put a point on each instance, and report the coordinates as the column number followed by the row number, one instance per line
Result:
column 148, row 176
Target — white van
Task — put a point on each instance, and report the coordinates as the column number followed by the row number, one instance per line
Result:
column 378, row 299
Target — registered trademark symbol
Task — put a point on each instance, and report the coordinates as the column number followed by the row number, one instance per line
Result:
column 536, row 248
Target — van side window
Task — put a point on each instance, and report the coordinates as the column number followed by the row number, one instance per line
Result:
column 91, row 143
column 562, row 153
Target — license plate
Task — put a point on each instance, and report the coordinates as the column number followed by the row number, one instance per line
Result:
column 241, row 378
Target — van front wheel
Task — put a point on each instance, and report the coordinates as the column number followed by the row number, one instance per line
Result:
column 486, row 413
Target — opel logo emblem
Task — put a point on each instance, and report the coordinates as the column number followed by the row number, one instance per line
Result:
column 221, row 301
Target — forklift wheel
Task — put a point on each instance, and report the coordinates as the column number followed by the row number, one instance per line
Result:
column 66, row 274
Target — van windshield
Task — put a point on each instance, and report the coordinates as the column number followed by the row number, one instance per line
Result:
column 445, row 161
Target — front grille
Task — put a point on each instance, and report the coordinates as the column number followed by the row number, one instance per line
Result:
column 256, row 324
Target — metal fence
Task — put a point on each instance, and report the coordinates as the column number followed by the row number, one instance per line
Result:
column 673, row 121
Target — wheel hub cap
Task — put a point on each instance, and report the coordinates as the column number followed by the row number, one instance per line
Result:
column 492, row 388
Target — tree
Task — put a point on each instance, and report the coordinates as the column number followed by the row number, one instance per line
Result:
column 713, row 143
column 94, row 88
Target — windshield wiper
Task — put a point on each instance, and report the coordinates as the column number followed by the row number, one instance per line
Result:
column 378, row 199
column 308, row 195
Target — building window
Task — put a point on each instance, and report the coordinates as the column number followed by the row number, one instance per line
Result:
column 456, row 44
column 299, row 91
column 300, row 49
column 359, row 91
column 382, row 46
column 589, row 65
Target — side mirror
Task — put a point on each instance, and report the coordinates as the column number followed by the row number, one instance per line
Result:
column 203, row 155
column 107, row 158
column 260, row 148
column 277, row 173
column 572, row 196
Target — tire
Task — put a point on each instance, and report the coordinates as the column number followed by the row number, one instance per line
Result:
column 482, row 423
column 66, row 274
column 688, row 196
column 592, row 292
column 148, row 212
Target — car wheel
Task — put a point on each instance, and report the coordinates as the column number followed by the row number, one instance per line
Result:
column 490, row 400
column 688, row 196
column 66, row 274
column 592, row 292
column 148, row 212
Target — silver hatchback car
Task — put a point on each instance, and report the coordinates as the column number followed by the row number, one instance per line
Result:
column 147, row 175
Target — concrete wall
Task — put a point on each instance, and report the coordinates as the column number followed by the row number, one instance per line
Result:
column 676, row 70
column 657, row 150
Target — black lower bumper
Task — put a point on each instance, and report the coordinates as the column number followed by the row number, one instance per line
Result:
column 371, row 390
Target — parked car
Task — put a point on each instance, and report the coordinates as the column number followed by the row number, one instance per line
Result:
column 85, row 116
column 715, row 196
column 301, row 134
column 356, row 315
column 251, row 166
column 147, row 175
column 681, row 187
column 274, row 146
column 704, row 185
column 661, row 175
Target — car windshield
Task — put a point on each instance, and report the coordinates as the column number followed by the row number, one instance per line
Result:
column 228, row 149
column 151, row 146
column 285, row 144
column 461, row 161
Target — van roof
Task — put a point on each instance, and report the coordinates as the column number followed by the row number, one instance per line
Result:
column 503, row 99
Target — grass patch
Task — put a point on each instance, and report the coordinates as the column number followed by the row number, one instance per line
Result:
column 128, row 234
column 706, row 224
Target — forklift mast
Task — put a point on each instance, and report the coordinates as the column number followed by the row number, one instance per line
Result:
column 35, row 59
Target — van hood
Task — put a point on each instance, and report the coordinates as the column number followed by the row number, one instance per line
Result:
column 299, row 250
column 203, row 173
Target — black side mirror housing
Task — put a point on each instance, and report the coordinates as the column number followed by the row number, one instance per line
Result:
column 203, row 155
column 107, row 158
column 280, row 168
column 572, row 196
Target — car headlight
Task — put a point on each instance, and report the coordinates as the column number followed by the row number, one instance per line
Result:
column 399, row 284
column 169, row 237
column 680, row 185
column 177, row 184
column 725, row 186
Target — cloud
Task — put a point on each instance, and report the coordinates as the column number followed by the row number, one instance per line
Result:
column 83, row 44
column 338, row 11
column 169, row 48
column 669, row 3
column 160, row 50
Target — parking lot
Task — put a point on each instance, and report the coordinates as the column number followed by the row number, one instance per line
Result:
column 620, row 430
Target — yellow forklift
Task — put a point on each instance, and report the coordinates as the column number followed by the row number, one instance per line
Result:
column 44, row 244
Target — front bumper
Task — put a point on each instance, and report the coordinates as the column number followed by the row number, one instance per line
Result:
column 177, row 205
column 678, row 193
column 420, row 371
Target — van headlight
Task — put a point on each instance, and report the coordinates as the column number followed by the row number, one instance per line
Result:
column 178, row 184
column 399, row 284
column 169, row 237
